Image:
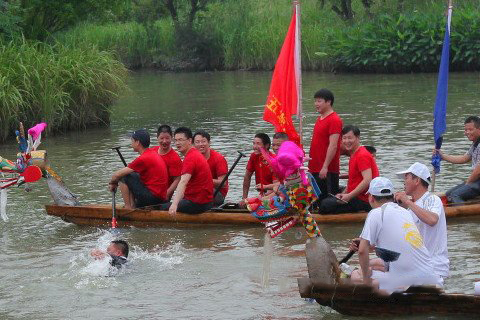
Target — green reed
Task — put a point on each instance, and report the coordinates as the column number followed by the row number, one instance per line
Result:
column 67, row 88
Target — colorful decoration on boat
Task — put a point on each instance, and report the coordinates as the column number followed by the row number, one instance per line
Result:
column 290, row 204
column 22, row 170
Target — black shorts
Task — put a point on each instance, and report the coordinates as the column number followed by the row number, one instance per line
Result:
column 143, row 196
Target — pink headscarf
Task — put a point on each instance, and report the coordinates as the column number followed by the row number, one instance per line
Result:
column 288, row 161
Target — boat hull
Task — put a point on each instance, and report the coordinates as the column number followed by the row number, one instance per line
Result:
column 101, row 215
column 363, row 300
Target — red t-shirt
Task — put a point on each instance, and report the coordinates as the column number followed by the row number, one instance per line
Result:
column 173, row 163
column 263, row 171
column 153, row 172
column 361, row 160
column 218, row 167
column 332, row 124
column 200, row 187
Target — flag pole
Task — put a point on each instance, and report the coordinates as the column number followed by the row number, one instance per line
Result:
column 298, row 56
column 440, row 138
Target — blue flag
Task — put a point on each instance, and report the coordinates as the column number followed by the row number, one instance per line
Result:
column 440, row 109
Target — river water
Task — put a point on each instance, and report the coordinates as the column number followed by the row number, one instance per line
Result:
column 45, row 268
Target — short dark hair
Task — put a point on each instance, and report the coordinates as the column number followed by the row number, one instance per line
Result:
column 141, row 136
column 164, row 128
column 324, row 94
column 354, row 129
column 280, row 135
column 383, row 198
column 423, row 182
column 202, row 133
column 371, row 149
column 186, row 131
column 122, row 245
column 475, row 120
column 265, row 139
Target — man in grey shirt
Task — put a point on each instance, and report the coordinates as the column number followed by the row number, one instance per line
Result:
column 471, row 187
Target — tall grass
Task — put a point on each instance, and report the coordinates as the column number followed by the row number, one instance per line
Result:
column 67, row 88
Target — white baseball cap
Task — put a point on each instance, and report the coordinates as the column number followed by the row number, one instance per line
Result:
column 418, row 169
column 380, row 186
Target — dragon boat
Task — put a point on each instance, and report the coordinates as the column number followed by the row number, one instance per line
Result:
column 101, row 215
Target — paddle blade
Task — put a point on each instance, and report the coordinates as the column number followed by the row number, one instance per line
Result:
column 32, row 174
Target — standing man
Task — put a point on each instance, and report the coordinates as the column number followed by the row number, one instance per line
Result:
column 362, row 168
column 216, row 162
column 144, row 181
column 389, row 226
column 427, row 212
column 471, row 187
column 258, row 164
column 195, row 189
column 171, row 158
column 325, row 147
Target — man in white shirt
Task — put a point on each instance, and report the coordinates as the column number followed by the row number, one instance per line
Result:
column 389, row 226
column 428, row 213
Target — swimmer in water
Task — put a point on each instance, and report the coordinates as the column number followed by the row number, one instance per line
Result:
column 117, row 250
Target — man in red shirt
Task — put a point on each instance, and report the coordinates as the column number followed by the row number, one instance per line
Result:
column 325, row 147
column 216, row 162
column 195, row 190
column 362, row 168
column 258, row 165
column 144, row 181
column 171, row 158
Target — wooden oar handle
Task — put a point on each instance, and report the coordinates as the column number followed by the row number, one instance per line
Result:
column 347, row 257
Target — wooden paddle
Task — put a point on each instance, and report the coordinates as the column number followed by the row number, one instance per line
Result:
column 349, row 254
column 228, row 173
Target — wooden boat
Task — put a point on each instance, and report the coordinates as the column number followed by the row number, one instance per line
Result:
column 363, row 300
column 101, row 215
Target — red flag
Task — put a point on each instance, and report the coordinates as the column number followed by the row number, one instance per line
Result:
column 282, row 101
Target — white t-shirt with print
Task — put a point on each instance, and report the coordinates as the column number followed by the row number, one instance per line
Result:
column 395, row 230
column 435, row 237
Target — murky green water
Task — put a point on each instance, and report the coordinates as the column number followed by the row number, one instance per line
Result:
column 45, row 268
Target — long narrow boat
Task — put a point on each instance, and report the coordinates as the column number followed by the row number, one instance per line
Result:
column 363, row 300
column 101, row 215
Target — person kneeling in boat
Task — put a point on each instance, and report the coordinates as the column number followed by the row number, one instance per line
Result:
column 217, row 163
column 117, row 251
column 194, row 192
column 171, row 158
column 144, row 181
column 391, row 227
column 471, row 187
column 362, row 168
column 427, row 212
column 259, row 165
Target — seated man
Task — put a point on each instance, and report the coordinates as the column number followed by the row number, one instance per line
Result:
column 195, row 190
column 362, row 168
column 117, row 250
column 471, row 187
column 427, row 212
column 258, row 165
column 216, row 162
column 144, row 181
column 278, row 139
column 389, row 226
column 171, row 158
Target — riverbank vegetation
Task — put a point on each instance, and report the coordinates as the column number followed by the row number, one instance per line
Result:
column 341, row 35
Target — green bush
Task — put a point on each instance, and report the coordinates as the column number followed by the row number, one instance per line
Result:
column 67, row 88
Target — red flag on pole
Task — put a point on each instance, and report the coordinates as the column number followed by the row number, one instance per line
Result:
column 283, row 97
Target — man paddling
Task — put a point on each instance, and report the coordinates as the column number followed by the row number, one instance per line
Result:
column 194, row 192
column 171, row 158
column 258, row 164
column 428, row 213
column 389, row 226
column 471, row 187
column 144, row 181
column 325, row 146
column 216, row 161
column 362, row 168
